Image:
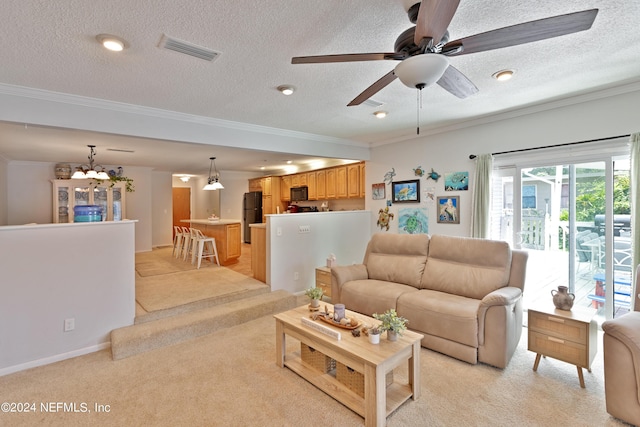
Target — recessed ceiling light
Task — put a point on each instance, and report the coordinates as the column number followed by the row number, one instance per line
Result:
column 380, row 114
column 289, row 162
column 110, row 42
column 503, row 75
column 286, row 90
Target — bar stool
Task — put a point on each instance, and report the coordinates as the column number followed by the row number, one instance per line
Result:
column 189, row 241
column 199, row 252
column 178, row 241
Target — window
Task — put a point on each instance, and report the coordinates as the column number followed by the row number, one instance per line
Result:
column 529, row 197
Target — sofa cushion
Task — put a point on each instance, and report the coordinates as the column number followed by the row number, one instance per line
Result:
column 372, row 296
column 399, row 258
column 443, row 315
column 466, row 266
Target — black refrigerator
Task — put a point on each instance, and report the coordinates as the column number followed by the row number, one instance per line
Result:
column 251, row 212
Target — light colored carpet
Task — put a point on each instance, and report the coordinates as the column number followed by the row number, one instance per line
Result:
column 160, row 261
column 229, row 378
column 175, row 289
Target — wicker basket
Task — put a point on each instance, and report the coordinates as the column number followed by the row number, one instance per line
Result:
column 316, row 359
column 354, row 380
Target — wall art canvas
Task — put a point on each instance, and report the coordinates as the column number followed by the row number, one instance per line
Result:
column 448, row 210
column 378, row 191
column 405, row 191
column 456, row 181
column 413, row 221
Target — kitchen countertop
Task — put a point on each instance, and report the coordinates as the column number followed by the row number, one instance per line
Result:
column 209, row 222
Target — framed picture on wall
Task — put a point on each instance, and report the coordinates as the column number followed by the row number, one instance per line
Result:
column 448, row 210
column 405, row 191
column 378, row 191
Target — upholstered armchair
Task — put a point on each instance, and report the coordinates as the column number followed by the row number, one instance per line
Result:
column 622, row 363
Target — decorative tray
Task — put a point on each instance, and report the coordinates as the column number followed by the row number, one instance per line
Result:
column 338, row 324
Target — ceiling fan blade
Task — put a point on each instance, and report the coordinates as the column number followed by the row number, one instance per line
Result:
column 350, row 57
column 457, row 83
column 373, row 89
column 526, row 32
column 434, row 17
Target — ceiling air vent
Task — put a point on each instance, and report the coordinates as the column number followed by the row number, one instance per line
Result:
column 372, row 103
column 190, row 49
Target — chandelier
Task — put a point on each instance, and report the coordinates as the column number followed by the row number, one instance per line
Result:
column 213, row 183
column 90, row 171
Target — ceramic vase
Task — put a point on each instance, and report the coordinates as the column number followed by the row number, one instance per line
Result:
column 315, row 303
column 562, row 298
column 392, row 336
column 374, row 338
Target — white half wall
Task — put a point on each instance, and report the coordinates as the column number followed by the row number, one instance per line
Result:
column 54, row 272
column 292, row 254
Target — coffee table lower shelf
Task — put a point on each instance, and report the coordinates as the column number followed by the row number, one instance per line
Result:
column 397, row 393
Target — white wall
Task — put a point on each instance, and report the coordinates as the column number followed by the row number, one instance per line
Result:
column 344, row 234
column 3, row 190
column 53, row 272
column 449, row 151
column 161, row 211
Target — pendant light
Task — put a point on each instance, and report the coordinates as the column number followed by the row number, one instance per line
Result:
column 213, row 183
column 89, row 171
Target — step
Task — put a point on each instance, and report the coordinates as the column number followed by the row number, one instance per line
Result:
column 139, row 338
column 201, row 304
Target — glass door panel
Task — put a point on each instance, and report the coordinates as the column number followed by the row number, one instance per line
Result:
column 100, row 199
column 63, row 204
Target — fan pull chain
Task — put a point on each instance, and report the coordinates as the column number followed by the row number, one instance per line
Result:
column 419, row 101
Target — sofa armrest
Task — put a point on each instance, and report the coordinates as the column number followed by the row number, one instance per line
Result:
column 503, row 296
column 343, row 274
column 626, row 329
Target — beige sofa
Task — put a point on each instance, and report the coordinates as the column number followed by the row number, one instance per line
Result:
column 464, row 295
column 622, row 363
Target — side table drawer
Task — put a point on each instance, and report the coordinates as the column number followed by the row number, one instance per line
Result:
column 565, row 329
column 560, row 349
column 323, row 280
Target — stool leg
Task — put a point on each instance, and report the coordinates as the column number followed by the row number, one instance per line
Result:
column 200, row 250
column 215, row 252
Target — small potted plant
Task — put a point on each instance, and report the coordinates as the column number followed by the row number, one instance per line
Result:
column 316, row 295
column 392, row 323
column 374, row 334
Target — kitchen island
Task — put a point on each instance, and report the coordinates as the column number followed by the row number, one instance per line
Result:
column 227, row 233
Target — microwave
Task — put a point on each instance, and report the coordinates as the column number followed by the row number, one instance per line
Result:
column 299, row 194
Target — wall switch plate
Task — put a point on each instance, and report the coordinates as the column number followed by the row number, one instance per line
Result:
column 304, row 229
column 296, row 276
column 69, row 324
column 279, row 231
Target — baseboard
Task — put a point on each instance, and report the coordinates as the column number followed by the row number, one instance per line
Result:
column 55, row 358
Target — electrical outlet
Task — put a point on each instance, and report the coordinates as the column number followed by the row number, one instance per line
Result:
column 69, row 324
column 304, row 229
column 279, row 231
column 296, row 276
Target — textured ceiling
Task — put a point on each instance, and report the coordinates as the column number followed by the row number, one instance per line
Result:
column 51, row 46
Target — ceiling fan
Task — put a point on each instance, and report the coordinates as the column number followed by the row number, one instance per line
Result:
column 424, row 49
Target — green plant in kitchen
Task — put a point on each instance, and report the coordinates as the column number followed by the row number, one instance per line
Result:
column 391, row 322
column 128, row 186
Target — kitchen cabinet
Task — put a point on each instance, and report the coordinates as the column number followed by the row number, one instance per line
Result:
column 259, row 252
column 295, row 180
column 362, row 179
column 321, row 184
column 68, row 193
column 285, row 188
column 341, row 182
column 331, row 183
column 312, row 184
column 227, row 234
column 302, row 180
column 270, row 196
column 353, row 181
column 255, row 184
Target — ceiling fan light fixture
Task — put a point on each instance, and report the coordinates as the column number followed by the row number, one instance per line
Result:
column 113, row 43
column 421, row 70
column 503, row 75
column 286, row 90
column 380, row 114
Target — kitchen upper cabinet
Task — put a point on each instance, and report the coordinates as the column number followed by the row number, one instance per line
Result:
column 285, row 188
column 312, row 183
column 353, row 180
column 295, row 180
column 270, row 195
column 68, row 193
column 255, row 184
column 331, row 183
column 321, row 184
column 303, row 182
column 266, row 186
column 362, row 180
column 341, row 183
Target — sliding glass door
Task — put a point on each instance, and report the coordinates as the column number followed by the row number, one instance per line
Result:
column 573, row 219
